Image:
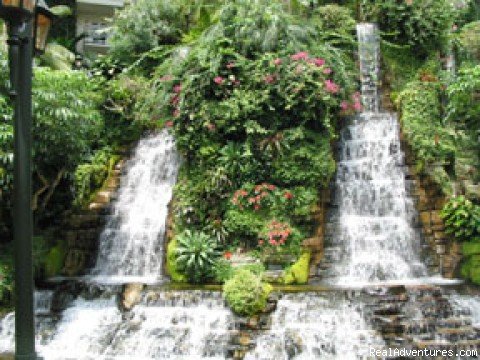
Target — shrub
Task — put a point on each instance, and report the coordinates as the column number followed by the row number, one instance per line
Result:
column 223, row 271
column 464, row 98
column 245, row 293
column 462, row 219
column 469, row 41
column 142, row 25
column 336, row 19
column 6, row 282
column 195, row 255
column 298, row 273
column 423, row 25
column 172, row 267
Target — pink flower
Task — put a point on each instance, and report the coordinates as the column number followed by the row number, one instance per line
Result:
column 277, row 61
column 169, row 124
column 218, row 80
column 344, row 105
column 302, row 55
column 319, row 62
column 327, row 71
column 357, row 106
column 230, row 65
column 356, row 96
column 331, row 87
column 269, row 79
column 177, row 88
column 175, row 100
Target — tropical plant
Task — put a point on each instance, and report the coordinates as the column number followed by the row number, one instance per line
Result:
column 462, row 219
column 245, row 293
column 196, row 254
column 423, row 25
column 143, row 25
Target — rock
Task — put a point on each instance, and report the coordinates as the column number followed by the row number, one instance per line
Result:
column 244, row 339
column 131, row 296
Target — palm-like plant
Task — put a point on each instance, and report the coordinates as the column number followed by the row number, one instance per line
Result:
column 196, row 254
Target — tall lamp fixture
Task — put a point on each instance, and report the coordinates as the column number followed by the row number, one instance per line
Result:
column 28, row 23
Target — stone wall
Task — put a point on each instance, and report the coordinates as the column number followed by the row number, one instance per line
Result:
column 429, row 201
column 316, row 243
column 83, row 227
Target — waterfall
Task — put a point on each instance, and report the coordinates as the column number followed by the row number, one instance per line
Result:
column 316, row 326
column 131, row 245
column 374, row 226
column 165, row 325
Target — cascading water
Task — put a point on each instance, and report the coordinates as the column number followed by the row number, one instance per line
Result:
column 131, row 244
column 316, row 326
column 165, row 325
column 374, row 229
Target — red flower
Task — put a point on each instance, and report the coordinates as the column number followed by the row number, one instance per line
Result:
column 271, row 187
column 277, row 61
column 288, row 195
column 218, row 80
column 319, row 62
column 302, row 55
column 169, row 124
column 256, row 207
column 227, row 255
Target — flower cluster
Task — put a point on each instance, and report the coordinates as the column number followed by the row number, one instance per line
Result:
column 255, row 198
column 277, row 234
column 355, row 105
column 174, row 100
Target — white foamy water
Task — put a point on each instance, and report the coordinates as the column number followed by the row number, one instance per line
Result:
column 314, row 326
column 374, row 233
column 131, row 245
column 166, row 325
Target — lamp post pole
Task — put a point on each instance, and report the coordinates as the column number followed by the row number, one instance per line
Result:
column 20, row 56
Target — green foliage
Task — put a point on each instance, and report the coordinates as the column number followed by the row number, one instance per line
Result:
column 172, row 267
column 6, row 280
column 464, row 98
column 470, row 268
column 471, row 248
column 90, row 176
column 223, row 271
column 143, row 25
column 336, row 18
column 195, row 255
column 468, row 40
column 422, row 25
column 421, row 119
column 462, row 219
column 245, row 293
column 298, row 272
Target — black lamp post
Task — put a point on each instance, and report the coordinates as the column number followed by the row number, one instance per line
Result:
column 19, row 15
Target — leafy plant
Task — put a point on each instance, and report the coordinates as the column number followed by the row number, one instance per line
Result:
column 245, row 293
column 423, row 25
column 196, row 254
column 462, row 219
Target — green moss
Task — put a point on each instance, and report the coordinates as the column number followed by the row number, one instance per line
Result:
column 245, row 293
column 471, row 248
column 172, row 269
column 54, row 261
column 298, row 272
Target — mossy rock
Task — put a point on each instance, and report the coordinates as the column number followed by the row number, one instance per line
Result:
column 54, row 261
column 298, row 272
column 172, row 268
column 471, row 248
